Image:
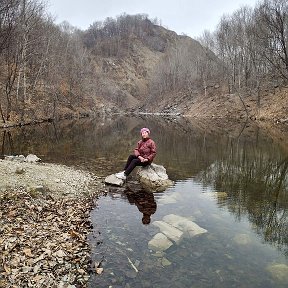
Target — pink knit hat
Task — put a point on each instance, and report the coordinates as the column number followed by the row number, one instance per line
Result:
column 144, row 130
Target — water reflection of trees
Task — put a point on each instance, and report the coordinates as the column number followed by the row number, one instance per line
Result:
column 256, row 182
column 250, row 168
column 184, row 147
column 111, row 140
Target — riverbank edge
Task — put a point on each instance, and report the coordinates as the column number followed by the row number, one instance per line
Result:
column 9, row 124
column 270, row 120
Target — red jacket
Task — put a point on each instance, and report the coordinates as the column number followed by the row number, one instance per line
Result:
column 146, row 149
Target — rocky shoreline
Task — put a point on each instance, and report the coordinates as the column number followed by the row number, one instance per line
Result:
column 44, row 223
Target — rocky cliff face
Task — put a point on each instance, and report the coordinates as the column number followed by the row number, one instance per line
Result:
column 143, row 68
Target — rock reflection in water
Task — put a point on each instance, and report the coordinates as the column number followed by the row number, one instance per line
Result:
column 144, row 201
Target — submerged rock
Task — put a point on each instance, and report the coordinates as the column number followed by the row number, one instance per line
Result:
column 170, row 198
column 175, row 228
column 190, row 228
column 242, row 239
column 154, row 178
column 171, row 232
column 159, row 242
column 279, row 272
column 165, row 262
column 113, row 180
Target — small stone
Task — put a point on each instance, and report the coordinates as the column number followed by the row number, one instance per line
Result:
column 221, row 195
column 242, row 239
column 165, row 262
column 19, row 158
column 39, row 188
column 31, row 158
column 137, row 263
column 9, row 158
column 158, row 254
column 19, row 170
column 131, row 274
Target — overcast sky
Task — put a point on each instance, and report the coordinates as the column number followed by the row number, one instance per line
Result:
column 191, row 17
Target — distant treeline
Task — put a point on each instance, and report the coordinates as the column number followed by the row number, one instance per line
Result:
column 113, row 37
column 47, row 70
column 252, row 43
column 43, row 66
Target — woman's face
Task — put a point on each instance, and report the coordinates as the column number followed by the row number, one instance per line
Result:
column 145, row 134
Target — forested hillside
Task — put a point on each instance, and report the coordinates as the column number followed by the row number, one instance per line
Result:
column 252, row 45
column 129, row 63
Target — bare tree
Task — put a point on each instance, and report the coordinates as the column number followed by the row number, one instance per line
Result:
column 272, row 21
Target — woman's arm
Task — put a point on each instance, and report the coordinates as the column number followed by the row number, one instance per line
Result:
column 136, row 150
column 152, row 154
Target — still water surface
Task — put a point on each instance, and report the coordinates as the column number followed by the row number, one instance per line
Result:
column 232, row 183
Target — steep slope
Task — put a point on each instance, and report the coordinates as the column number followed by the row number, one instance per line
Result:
column 124, row 80
column 142, row 65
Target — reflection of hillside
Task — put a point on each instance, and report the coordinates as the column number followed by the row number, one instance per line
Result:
column 256, row 181
column 185, row 147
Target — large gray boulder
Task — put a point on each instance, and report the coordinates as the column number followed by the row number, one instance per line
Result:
column 154, row 178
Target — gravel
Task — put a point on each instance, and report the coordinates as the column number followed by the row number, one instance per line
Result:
column 59, row 180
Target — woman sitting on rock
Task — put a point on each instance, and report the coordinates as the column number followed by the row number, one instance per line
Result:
column 143, row 154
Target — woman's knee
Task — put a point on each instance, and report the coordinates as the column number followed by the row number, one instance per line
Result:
column 131, row 157
column 136, row 162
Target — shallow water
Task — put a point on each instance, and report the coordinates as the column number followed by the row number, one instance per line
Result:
column 233, row 183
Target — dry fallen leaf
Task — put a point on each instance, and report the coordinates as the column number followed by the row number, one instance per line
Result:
column 7, row 269
column 37, row 278
column 66, row 253
column 99, row 270
column 81, row 271
column 59, row 253
column 27, row 252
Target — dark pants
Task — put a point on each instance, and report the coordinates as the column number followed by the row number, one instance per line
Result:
column 132, row 162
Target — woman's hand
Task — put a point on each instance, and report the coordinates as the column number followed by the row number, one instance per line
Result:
column 142, row 159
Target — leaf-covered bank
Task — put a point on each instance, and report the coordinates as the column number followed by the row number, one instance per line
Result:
column 44, row 222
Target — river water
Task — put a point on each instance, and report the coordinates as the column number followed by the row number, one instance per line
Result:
column 231, row 182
